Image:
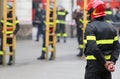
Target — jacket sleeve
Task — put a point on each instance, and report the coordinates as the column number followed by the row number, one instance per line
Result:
column 116, row 51
column 17, row 27
column 91, row 44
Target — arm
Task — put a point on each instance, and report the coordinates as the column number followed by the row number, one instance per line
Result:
column 17, row 27
column 92, row 46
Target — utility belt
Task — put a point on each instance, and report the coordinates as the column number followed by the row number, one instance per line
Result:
column 91, row 57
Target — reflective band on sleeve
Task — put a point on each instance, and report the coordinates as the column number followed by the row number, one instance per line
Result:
column 81, row 46
column 91, row 57
column 108, row 12
column 44, row 49
column 116, row 38
column 85, row 41
column 81, row 20
column 17, row 21
column 91, row 38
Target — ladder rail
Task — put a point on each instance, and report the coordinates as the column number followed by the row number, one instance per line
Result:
column 53, row 26
column 5, row 18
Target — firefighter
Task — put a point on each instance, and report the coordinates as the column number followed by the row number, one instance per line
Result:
column 102, row 47
column 50, row 38
column 61, row 31
column 78, row 16
column 109, row 13
column 10, row 34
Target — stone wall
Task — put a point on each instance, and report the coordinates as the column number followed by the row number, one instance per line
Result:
column 25, row 32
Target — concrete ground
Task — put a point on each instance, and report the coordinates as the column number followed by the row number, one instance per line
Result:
column 66, row 65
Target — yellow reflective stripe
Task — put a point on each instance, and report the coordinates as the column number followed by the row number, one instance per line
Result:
column 17, row 21
column 9, row 32
column 108, row 12
column 61, row 13
column 1, row 21
column 85, row 41
column 91, row 38
column 91, row 57
column 1, row 52
column 57, row 21
column 58, row 34
column 44, row 49
column 81, row 46
column 116, row 38
column 64, row 35
column 51, row 23
column 81, row 20
column 105, row 41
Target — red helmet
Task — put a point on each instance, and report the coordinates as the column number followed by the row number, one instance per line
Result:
column 96, row 8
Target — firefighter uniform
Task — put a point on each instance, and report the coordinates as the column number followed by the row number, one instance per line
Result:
column 61, row 31
column 9, row 32
column 109, row 13
column 78, row 16
column 50, row 39
column 101, row 43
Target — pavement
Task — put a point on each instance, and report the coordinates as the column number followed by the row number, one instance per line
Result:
column 66, row 65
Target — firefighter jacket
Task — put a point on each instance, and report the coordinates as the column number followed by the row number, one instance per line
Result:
column 109, row 14
column 61, row 15
column 78, row 17
column 101, row 42
column 10, row 25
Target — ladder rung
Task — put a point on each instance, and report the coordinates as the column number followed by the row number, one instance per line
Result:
column 9, row 37
column 9, row 44
column 51, row 42
column 10, row 0
column 10, row 9
column 51, row 34
column 10, row 53
column 9, row 18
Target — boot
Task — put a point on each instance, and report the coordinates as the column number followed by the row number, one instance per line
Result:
column 80, row 53
column 42, row 56
column 51, row 57
column 58, row 39
column 1, row 59
column 64, row 39
column 10, row 61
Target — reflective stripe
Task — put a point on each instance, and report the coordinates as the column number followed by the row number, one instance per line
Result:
column 81, row 46
column 91, row 38
column 61, row 21
column 108, row 12
column 81, row 20
column 116, row 38
column 9, row 23
column 85, row 41
column 9, row 32
column 105, row 41
column 64, row 35
column 91, row 57
column 61, row 13
column 1, row 52
column 44, row 49
column 58, row 34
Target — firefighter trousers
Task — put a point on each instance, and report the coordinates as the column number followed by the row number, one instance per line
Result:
column 94, row 70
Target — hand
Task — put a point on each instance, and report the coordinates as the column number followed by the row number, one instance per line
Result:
column 11, row 35
column 109, row 66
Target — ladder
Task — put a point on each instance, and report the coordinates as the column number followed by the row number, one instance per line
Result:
column 13, row 18
column 49, row 25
